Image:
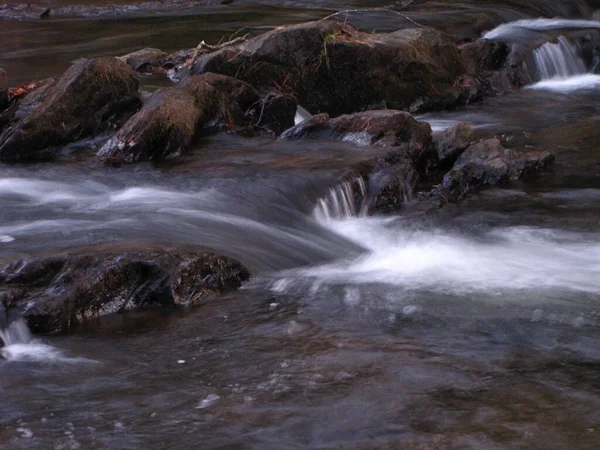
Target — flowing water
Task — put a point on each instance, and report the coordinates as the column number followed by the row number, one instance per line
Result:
column 471, row 326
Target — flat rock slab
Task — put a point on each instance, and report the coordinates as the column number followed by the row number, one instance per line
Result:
column 57, row 293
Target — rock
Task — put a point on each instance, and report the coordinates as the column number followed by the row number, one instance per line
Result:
column 487, row 163
column 167, row 123
column 451, row 142
column 22, row 106
column 61, row 292
column 206, row 277
column 493, row 68
column 144, row 59
column 388, row 128
column 3, row 90
column 276, row 113
column 390, row 188
column 331, row 67
column 92, row 96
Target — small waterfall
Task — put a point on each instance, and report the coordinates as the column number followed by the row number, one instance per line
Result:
column 558, row 60
column 301, row 115
column 341, row 201
column 16, row 332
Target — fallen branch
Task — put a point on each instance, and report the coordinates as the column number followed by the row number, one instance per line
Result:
column 213, row 48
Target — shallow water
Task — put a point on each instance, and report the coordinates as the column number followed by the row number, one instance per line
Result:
column 471, row 326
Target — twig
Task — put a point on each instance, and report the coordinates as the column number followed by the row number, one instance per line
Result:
column 371, row 10
column 213, row 48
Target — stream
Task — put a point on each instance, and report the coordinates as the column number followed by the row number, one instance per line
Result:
column 472, row 326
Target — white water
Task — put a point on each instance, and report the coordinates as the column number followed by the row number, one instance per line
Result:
column 340, row 201
column 19, row 345
column 585, row 82
column 301, row 115
column 558, row 60
column 503, row 260
column 512, row 30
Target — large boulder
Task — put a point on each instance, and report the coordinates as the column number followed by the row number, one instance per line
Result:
column 57, row 293
column 331, row 67
column 169, row 120
column 92, row 96
column 487, row 164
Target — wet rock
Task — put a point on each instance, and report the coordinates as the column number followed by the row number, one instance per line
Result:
column 391, row 187
column 3, row 90
column 276, row 113
column 386, row 128
column 451, row 142
column 331, row 67
column 144, row 59
column 206, row 277
column 23, row 105
column 92, row 96
column 493, row 68
column 382, row 127
column 488, row 164
column 60, row 292
column 169, row 120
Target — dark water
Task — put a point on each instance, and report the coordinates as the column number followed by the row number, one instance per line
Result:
column 471, row 326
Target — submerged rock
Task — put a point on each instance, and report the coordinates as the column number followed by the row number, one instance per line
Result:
column 91, row 96
column 60, row 292
column 332, row 67
column 487, row 163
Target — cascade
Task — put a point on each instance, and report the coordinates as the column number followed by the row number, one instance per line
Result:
column 340, row 202
column 558, row 60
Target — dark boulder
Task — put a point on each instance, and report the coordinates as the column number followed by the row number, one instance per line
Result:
column 60, row 292
column 451, row 142
column 493, row 68
column 488, row 164
column 332, row 67
column 169, row 120
column 91, row 96
column 276, row 113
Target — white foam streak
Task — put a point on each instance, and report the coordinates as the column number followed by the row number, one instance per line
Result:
column 506, row 259
column 20, row 346
column 567, row 85
column 508, row 30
